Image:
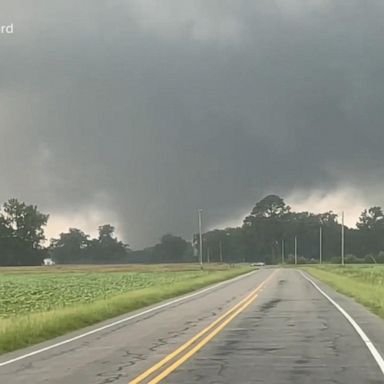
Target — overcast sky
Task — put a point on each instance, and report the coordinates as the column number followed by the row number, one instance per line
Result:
column 138, row 112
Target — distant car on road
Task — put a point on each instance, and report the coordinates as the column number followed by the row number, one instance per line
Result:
column 259, row 264
column 48, row 261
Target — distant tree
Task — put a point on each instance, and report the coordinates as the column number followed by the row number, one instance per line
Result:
column 226, row 245
column 265, row 227
column 370, row 235
column 328, row 218
column 272, row 206
column 76, row 247
column 171, row 249
column 21, row 234
column 24, row 221
column 106, row 232
column 371, row 219
column 107, row 248
column 70, row 248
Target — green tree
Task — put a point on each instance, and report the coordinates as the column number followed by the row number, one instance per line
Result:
column 265, row 227
column 107, row 248
column 371, row 219
column 272, row 206
column 25, row 222
column 171, row 249
column 370, row 233
column 21, row 234
column 70, row 248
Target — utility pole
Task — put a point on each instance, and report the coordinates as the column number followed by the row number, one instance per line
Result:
column 201, row 240
column 295, row 250
column 282, row 251
column 208, row 258
column 221, row 251
column 342, row 239
column 321, row 245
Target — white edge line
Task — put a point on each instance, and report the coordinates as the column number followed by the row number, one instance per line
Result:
column 96, row 330
column 367, row 341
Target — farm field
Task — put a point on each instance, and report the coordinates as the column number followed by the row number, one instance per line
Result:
column 365, row 283
column 40, row 303
column 23, row 293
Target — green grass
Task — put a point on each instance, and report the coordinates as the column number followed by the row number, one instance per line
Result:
column 38, row 304
column 364, row 283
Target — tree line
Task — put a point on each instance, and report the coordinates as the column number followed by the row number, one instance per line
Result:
column 23, row 242
column 271, row 225
column 76, row 247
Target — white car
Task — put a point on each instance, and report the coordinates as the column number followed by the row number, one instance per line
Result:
column 259, row 264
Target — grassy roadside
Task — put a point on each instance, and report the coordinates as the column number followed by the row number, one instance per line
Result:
column 364, row 284
column 23, row 331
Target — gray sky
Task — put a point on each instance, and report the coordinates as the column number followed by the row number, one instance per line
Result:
column 139, row 112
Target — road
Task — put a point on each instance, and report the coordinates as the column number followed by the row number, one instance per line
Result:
column 276, row 327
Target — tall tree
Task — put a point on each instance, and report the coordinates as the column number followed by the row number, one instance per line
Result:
column 265, row 227
column 371, row 231
column 371, row 219
column 272, row 206
column 21, row 234
column 25, row 222
column 70, row 248
column 107, row 248
column 171, row 249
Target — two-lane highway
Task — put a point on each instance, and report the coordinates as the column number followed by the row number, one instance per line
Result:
column 272, row 326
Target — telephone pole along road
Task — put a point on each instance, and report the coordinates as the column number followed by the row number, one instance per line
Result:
column 271, row 326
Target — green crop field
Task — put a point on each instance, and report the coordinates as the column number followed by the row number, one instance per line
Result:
column 39, row 303
column 24, row 294
column 365, row 283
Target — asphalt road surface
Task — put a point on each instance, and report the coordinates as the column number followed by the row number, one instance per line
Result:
column 272, row 326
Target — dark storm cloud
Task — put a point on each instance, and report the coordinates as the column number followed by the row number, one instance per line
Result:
column 153, row 109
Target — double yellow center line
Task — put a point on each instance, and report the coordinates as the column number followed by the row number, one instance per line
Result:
column 197, row 342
